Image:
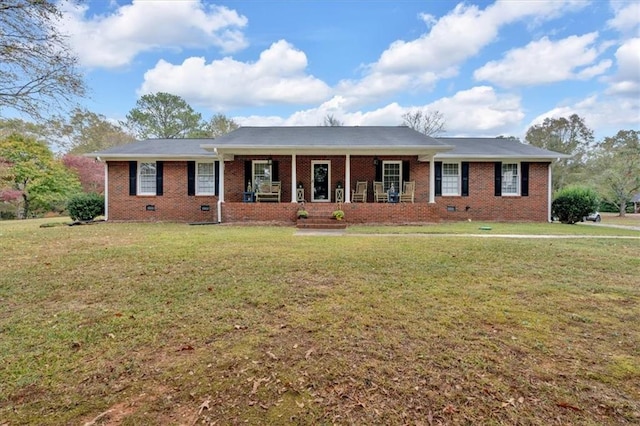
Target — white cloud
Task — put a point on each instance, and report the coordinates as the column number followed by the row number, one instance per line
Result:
column 626, row 81
column 479, row 111
column 278, row 77
column 627, row 16
column 545, row 61
column 115, row 39
column 461, row 34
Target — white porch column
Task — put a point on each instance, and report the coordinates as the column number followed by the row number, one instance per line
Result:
column 432, row 180
column 347, row 178
column 294, row 179
column 221, row 181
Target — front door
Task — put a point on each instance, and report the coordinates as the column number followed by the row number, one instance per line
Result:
column 320, row 178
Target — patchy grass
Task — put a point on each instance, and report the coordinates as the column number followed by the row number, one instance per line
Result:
column 556, row 228
column 172, row 324
column 629, row 219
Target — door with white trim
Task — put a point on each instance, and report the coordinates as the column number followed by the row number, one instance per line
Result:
column 321, row 180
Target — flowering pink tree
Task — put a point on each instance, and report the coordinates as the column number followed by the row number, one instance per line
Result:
column 90, row 172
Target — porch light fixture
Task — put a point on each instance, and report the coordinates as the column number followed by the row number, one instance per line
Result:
column 376, row 161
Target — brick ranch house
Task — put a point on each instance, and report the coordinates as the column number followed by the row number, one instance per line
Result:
column 224, row 179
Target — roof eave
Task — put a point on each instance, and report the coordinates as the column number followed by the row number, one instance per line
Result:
column 120, row 157
column 324, row 149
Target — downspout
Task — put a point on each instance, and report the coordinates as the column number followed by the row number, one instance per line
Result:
column 549, row 194
column 220, row 186
column 106, row 189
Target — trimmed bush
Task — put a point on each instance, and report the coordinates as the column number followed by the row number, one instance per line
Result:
column 573, row 203
column 86, row 206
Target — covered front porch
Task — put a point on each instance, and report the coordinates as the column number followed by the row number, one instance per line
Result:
column 324, row 179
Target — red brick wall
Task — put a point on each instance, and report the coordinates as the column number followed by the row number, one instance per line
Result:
column 175, row 205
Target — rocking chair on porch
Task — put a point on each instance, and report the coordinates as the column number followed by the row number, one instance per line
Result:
column 379, row 195
column 408, row 192
column 359, row 195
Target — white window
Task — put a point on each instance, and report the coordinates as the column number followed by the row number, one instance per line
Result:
column 261, row 173
column 147, row 178
column 205, row 179
column 450, row 179
column 392, row 175
column 510, row 181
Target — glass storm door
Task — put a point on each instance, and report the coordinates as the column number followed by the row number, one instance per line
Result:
column 320, row 178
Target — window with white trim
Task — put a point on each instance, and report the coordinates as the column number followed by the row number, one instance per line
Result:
column 147, row 178
column 510, row 180
column 205, row 179
column 450, row 179
column 261, row 173
column 392, row 175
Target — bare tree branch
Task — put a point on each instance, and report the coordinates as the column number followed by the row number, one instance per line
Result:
column 37, row 69
column 430, row 123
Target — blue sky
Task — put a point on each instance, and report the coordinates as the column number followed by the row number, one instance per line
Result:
column 490, row 68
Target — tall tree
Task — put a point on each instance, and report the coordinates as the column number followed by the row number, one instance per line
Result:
column 85, row 131
column 616, row 167
column 163, row 115
column 42, row 181
column 219, row 125
column 10, row 126
column 430, row 123
column 566, row 135
column 89, row 172
column 37, row 69
column 331, row 121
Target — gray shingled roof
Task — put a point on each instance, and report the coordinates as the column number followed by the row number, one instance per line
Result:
column 491, row 148
column 319, row 140
column 330, row 137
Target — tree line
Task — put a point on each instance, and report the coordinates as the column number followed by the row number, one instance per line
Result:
column 42, row 163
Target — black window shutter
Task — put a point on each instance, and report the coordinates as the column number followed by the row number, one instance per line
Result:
column 275, row 171
column 379, row 171
column 524, row 183
column 406, row 169
column 191, row 178
column 438, row 176
column 159, row 177
column 216, row 178
column 248, row 172
column 498, row 179
column 465, row 178
column 133, row 175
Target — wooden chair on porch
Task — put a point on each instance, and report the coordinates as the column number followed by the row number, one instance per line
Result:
column 379, row 195
column 359, row 195
column 408, row 192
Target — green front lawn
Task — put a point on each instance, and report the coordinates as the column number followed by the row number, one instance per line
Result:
column 177, row 324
